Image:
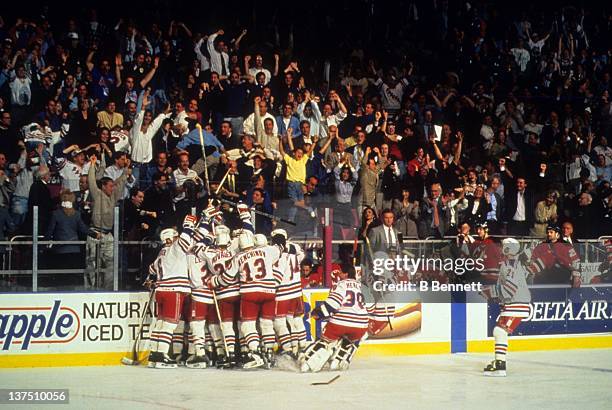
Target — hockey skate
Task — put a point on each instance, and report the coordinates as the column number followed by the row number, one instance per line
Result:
column 497, row 368
column 197, row 362
column 158, row 360
column 253, row 360
column 180, row 359
column 268, row 356
column 226, row 362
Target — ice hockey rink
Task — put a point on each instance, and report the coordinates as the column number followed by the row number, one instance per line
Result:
column 568, row 379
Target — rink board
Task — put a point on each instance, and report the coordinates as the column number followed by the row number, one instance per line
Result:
column 79, row 329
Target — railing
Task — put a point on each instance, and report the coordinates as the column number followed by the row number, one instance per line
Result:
column 25, row 261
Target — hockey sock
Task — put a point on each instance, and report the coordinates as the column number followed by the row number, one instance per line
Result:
column 241, row 338
column 298, row 332
column 282, row 333
column 501, row 343
column 230, row 336
column 178, row 338
column 215, row 332
column 251, row 337
column 161, row 337
column 197, row 337
column 267, row 333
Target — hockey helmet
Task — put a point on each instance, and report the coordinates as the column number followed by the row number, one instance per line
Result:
column 511, row 247
column 222, row 235
column 168, row 234
column 246, row 240
column 260, row 240
column 281, row 232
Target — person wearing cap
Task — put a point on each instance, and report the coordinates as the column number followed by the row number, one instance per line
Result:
column 545, row 215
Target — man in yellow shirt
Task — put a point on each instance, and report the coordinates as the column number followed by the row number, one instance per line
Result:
column 296, row 173
column 109, row 118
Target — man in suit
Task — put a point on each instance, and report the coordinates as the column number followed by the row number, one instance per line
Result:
column 40, row 196
column 384, row 237
column 520, row 206
column 434, row 213
column 495, row 215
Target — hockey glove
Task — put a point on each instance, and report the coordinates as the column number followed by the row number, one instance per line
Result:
column 189, row 222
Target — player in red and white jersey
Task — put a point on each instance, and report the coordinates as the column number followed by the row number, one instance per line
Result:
column 169, row 274
column 349, row 317
column 201, row 307
column 289, row 310
column 220, row 260
column 485, row 248
column 258, row 281
column 512, row 292
column 555, row 261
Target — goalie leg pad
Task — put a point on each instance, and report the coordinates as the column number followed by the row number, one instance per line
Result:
column 315, row 356
column 342, row 355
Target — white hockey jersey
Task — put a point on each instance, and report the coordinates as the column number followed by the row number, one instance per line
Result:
column 349, row 308
column 171, row 265
column 198, row 274
column 512, row 282
column 289, row 266
column 220, row 262
column 256, row 269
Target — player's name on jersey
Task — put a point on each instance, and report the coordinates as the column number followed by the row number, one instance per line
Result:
column 424, row 286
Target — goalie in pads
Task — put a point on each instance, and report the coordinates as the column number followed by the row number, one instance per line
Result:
column 349, row 317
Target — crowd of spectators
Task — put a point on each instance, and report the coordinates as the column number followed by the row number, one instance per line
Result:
column 510, row 128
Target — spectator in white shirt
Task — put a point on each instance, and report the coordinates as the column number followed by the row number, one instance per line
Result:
column 259, row 68
column 182, row 174
column 329, row 118
column 249, row 127
column 116, row 170
column 141, row 135
column 219, row 60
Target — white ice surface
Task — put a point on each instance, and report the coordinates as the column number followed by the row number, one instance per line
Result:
column 575, row 379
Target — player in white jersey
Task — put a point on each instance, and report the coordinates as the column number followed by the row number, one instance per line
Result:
column 289, row 309
column 169, row 274
column 512, row 292
column 201, row 307
column 258, row 281
column 348, row 320
column 219, row 260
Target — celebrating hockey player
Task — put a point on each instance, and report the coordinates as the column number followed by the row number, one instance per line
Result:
column 220, row 261
column 169, row 274
column 289, row 320
column 512, row 293
column 348, row 316
column 258, row 282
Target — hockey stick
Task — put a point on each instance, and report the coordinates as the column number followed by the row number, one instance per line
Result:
column 267, row 215
column 336, row 377
column 134, row 360
column 199, row 127
column 214, row 293
column 222, row 182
